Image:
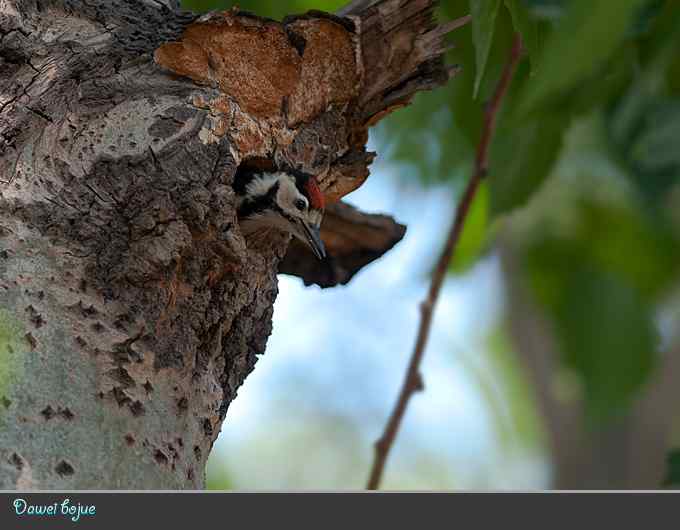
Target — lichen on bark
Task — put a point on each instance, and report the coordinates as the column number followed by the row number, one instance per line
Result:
column 13, row 342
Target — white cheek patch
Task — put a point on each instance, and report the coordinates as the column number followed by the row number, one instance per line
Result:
column 259, row 186
column 287, row 196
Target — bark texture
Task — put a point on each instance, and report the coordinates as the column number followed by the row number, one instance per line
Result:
column 131, row 307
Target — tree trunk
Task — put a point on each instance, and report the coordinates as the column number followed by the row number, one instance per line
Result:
column 131, row 307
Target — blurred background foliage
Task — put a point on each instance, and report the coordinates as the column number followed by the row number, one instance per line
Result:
column 581, row 211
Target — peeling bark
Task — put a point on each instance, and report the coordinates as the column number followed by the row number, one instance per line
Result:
column 131, row 307
column 353, row 240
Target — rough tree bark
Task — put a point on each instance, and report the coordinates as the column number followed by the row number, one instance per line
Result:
column 131, row 308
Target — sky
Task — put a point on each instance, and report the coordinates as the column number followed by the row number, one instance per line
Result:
column 309, row 413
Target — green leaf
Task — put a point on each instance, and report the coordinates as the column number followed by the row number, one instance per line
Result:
column 623, row 241
column 604, row 328
column 588, row 33
column 644, row 124
column 608, row 337
column 599, row 270
column 656, row 147
column 483, row 24
column 426, row 140
column 546, row 9
column 672, row 479
column 630, row 110
column 522, row 157
column 608, row 82
column 529, row 28
column 644, row 21
column 437, row 135
column 473, row 238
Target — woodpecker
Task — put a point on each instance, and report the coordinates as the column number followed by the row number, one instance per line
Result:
column 288, row 200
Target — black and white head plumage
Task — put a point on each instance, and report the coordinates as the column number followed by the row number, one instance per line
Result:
column 287, row 200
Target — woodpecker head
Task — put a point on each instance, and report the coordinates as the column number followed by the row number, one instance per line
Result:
column 288, row 200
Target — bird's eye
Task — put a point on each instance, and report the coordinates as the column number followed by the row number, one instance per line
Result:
column 300, row 204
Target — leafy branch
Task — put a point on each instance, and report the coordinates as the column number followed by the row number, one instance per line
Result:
column 413, row 381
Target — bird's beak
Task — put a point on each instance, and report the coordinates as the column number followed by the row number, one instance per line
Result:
column 313, row 236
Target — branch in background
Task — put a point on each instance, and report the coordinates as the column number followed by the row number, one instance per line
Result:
column 413, row 380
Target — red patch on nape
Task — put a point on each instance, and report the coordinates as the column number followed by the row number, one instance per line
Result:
column 316, row 198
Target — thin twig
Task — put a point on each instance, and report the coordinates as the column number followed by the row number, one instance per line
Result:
column 413, row 381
